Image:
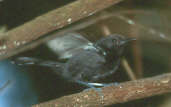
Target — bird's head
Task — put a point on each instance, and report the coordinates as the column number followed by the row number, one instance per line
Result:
column 113, row 43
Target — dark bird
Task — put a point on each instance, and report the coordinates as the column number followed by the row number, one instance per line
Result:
column 88, row 64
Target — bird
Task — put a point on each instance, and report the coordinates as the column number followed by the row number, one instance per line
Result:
column 88, row 64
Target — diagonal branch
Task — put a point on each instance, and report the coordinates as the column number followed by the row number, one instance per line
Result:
column 120, row 93
column 49, row 22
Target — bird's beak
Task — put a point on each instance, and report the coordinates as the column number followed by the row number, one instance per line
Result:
column 124, row 42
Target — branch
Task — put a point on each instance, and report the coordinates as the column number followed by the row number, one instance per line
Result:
column 51, row 21
column 120, row 93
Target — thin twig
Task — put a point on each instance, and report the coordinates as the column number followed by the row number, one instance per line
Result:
column 134, row 32
column 138, row 59
column 120, row 93
column 160, row 36
column 128, row 69
column 105, row 29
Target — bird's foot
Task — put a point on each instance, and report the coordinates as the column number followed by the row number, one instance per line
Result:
column 99, row 85
column 95, row 85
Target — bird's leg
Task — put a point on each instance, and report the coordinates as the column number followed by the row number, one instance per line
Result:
column 103, row 84
column 93, row 86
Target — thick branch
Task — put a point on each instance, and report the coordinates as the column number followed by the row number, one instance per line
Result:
column 49, row 22
column 120, row 93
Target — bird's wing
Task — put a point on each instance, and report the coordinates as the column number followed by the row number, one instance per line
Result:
column 69, row 44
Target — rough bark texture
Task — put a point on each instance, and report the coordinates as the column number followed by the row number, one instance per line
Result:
column 120, row 93
column 49, row 22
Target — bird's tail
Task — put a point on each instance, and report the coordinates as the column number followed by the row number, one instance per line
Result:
column 30, row 61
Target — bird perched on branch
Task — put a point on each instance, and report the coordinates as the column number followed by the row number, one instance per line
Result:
column 86, row 63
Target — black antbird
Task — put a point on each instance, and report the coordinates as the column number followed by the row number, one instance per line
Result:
column 87, row 65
